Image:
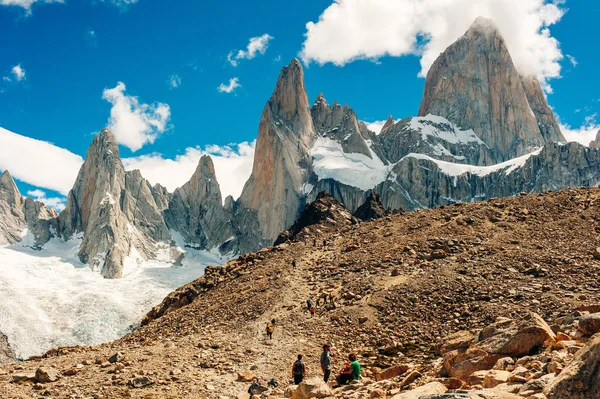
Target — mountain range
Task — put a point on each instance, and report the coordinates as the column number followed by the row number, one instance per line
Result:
column 482, row 131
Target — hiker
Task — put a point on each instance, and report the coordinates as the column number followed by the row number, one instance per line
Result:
column 309, row 304
column 273, row 383
column 254, row 387
column 294, row 263
column 312, row 311
column 273, row 322
column 270, row 330
column 298, row 370
column 326, row 363
column 350, row 372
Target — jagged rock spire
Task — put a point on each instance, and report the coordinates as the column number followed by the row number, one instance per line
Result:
column 475, row 85
column 12, row 219
column 389, row 122
column 282, row 158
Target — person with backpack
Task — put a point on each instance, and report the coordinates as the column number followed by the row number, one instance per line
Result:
column 270, row 328
column 254, row 387
column 312, row 311
column 326, row 362
column 298, row 370
column 309, row 304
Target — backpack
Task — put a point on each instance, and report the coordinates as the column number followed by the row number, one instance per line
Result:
column 298, row 367
column 270, row 328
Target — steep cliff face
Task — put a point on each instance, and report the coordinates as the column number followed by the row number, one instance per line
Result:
column 546, row 120
column 475, row 85
column 114, row 210
column 196, row 209
column 12, row 219
column 282, row 163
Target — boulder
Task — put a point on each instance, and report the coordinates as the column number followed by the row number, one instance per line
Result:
column 312, row 388
column 46, row 374
column 581, row 378
column 23, row 376
column 246, row 376
column 391, row 372
column 494, row 378
column 140, row 382
column 421, row 392
column 590, row 324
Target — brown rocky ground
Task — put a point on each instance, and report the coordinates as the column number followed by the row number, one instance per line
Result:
column 401, row 284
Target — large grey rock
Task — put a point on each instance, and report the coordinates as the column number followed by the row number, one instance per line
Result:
column 282, row 162
column 42, row 222
column 475, row 85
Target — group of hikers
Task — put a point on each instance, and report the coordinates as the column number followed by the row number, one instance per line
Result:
column 312, row 307
column 350, row 372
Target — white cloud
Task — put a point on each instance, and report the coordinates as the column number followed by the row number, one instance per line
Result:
column 57, row 203
column 368, row 29
column 230, row 88
column 16, row 74
column 91, row 38
column 174, row 81
column 572, row 60
column 233, row 165
column 26, row 4
column 38, row 163
column 257, row 45
column 585, row 133
column 122, row 4
column 133, row 123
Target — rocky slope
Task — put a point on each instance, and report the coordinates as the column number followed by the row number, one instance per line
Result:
column 475, row 85
column 413, row 295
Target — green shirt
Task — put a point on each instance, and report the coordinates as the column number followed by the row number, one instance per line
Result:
column 355, row 368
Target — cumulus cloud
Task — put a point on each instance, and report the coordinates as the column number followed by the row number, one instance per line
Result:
column 233, row 165
column 174, row 81
column 234, row 83
column 38, row 163
column 583, row 134
column 368, row 29
column 57, row 203
column 16, row 74
column 133, row 123
column 257, row 45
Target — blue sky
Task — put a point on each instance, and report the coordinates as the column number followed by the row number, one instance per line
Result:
column 67, row 54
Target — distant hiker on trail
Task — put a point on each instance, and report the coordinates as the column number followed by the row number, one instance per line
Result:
column 309, row 304
column 312, row 311
column 270, row 330
column 298, row 370
column 326, row 362
column 294, row 263
column 273, row 322
column 254, row 387
column 354, row 367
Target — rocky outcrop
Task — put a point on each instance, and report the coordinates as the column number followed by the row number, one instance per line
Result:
column 475, row 85
column 581, row 378
column 19, row 215
column 196, row 209
column 325, row 211
column 114, row 210
column 339, row 124
column 436, row 137
column 12, row 220
column 282, row 162
column 422, row 182
column 7, row 355
column 371, row 209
